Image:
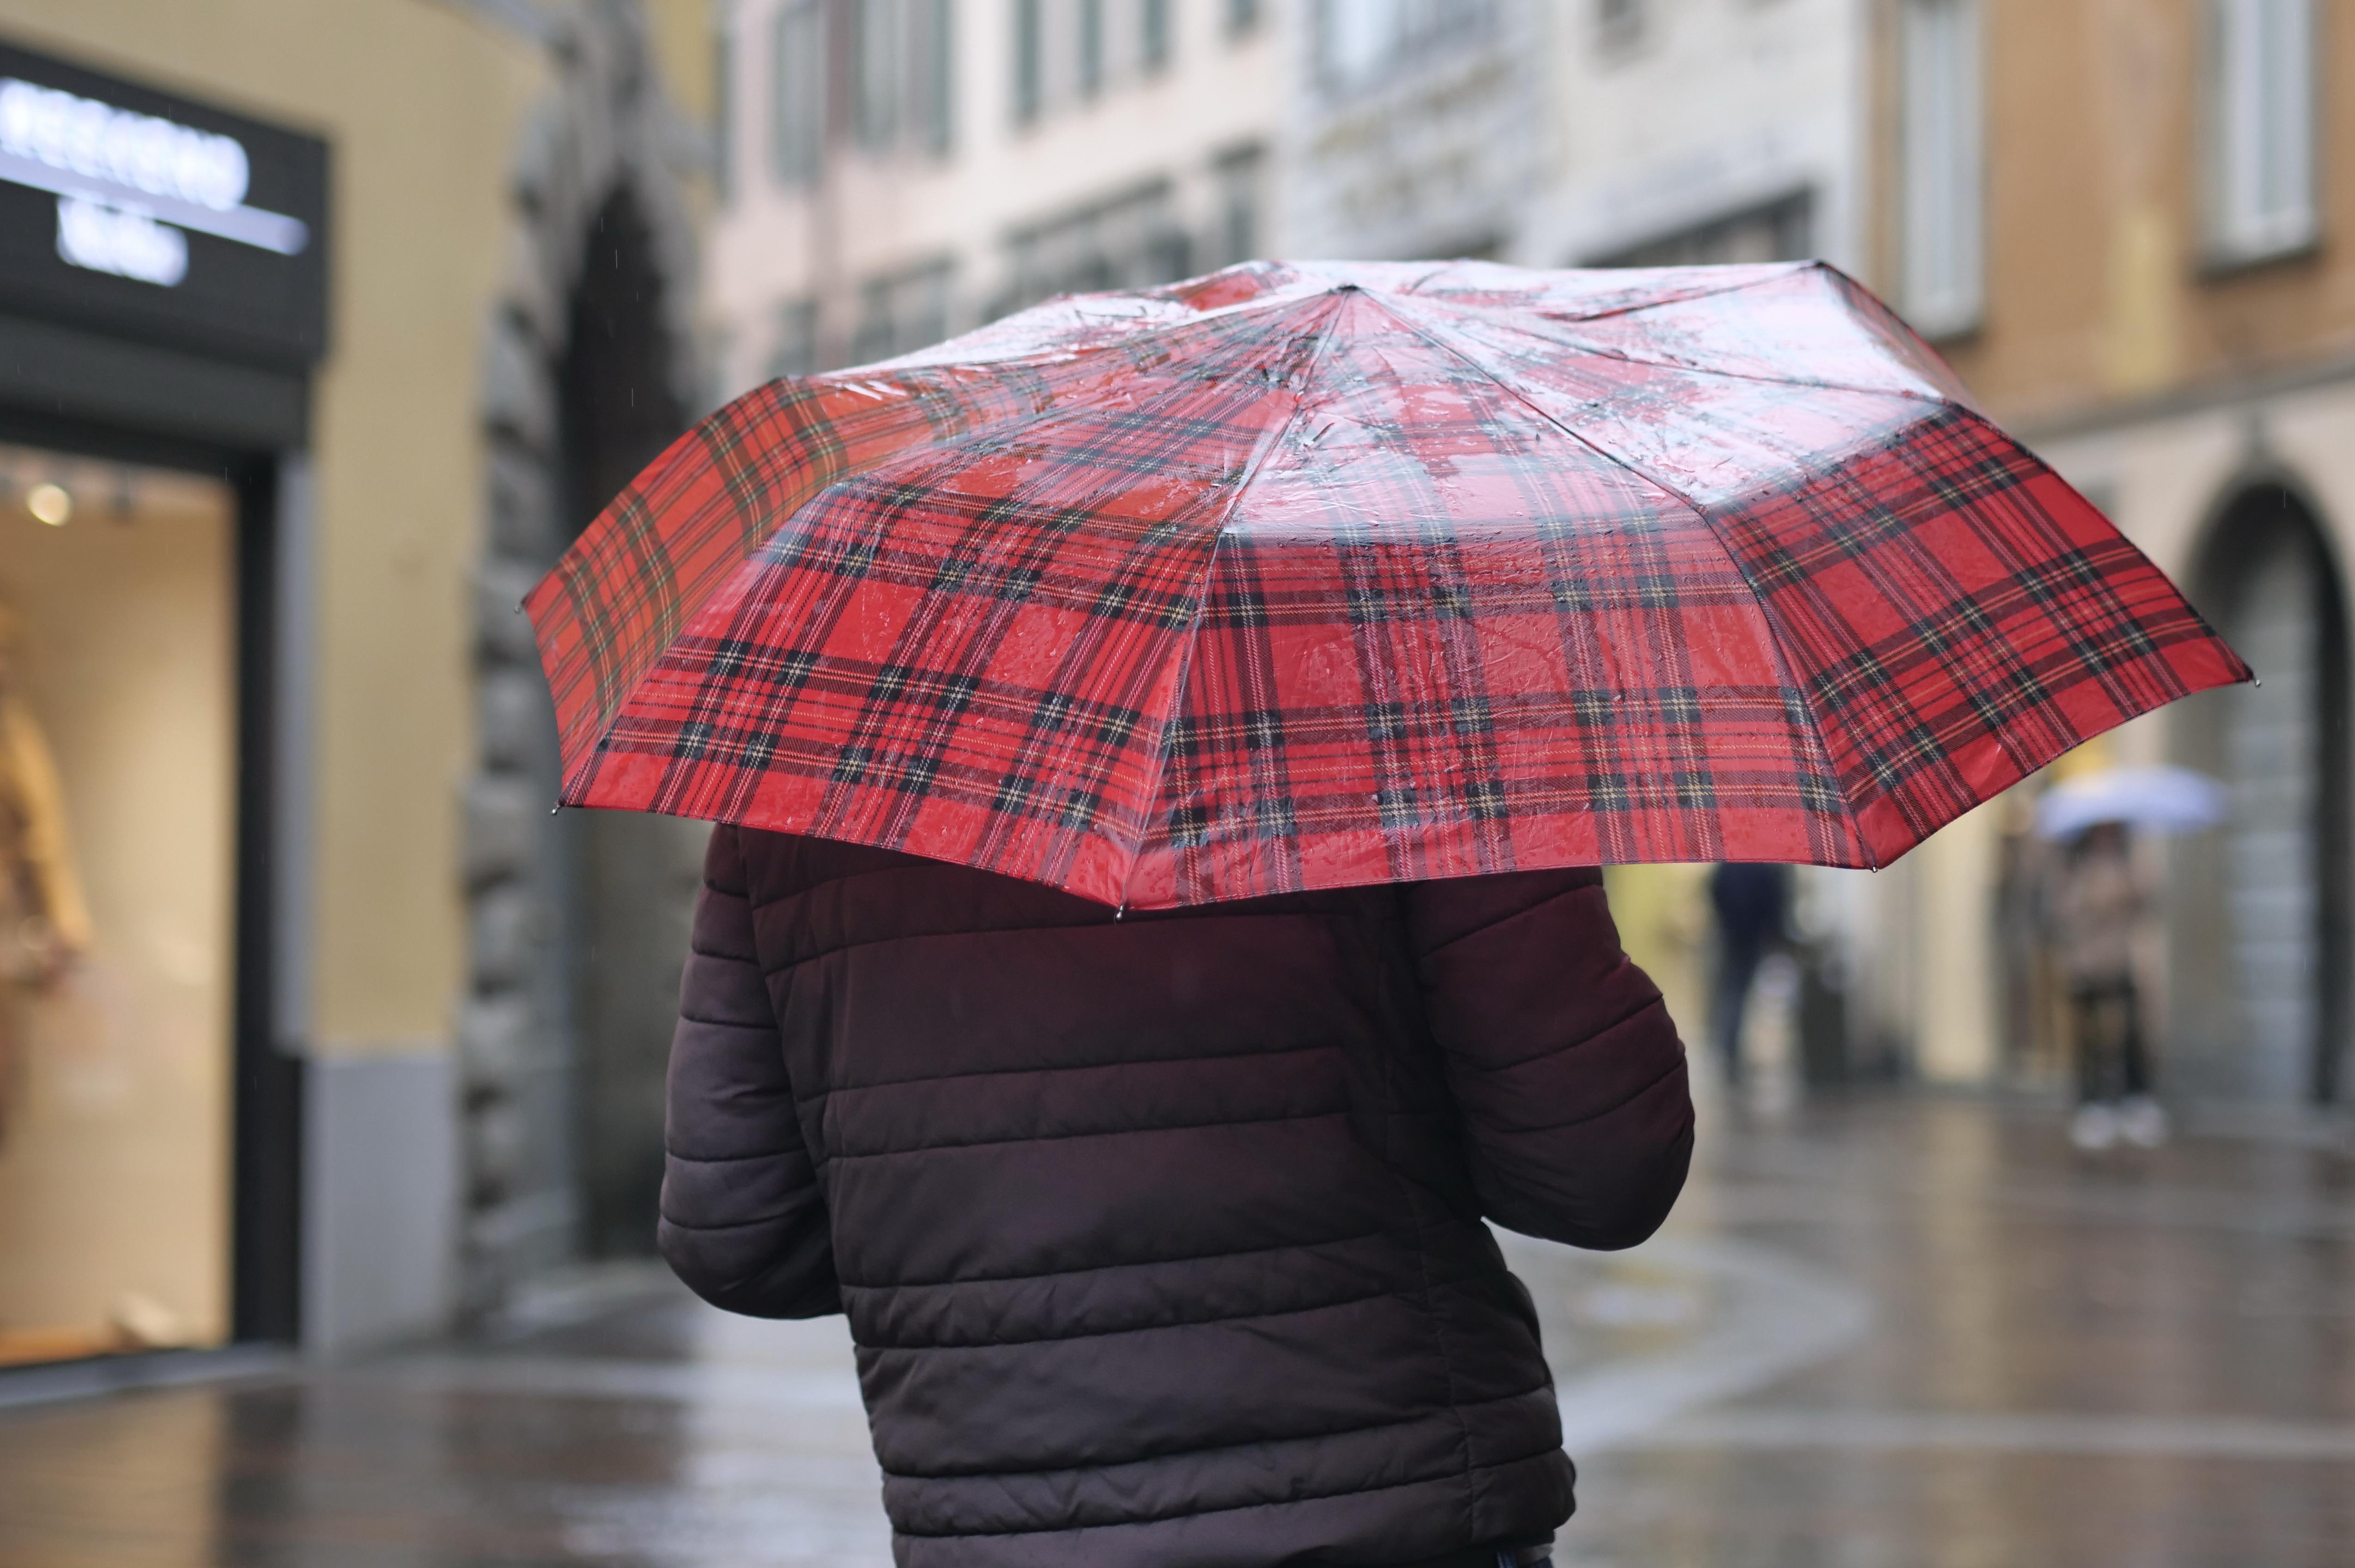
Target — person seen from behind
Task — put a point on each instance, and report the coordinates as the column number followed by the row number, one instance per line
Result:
column 2097, row 907
column 1752, row 904
column 1160, row 1235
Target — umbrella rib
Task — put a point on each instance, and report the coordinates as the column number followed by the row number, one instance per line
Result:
column 1274, row 299
column 1791, row 270
column 1819, row 384
column 1774, row 633
column 1601, row 351
column 1226, row 514
column 1415, row 290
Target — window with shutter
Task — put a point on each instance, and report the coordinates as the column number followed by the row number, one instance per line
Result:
column 1029, row 64
column 1942, row 265
column 932, row 76
column 723, row 114
column 1241, row 177
column 877, row 54
column 1360, row 44
column 1153, row 25
column 2261, row 128
column 1092, row 47
column 797, row 95
column 1618, row 22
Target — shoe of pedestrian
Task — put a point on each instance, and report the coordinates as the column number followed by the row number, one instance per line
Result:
column 2143, row 1122
column 2093, row 1126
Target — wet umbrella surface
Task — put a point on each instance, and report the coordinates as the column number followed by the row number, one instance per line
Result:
column 1308, row 576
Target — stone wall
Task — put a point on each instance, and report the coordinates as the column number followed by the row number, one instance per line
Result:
column 605, row 126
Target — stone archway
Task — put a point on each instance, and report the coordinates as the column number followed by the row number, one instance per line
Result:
column 2260, row 917
column 576, row 921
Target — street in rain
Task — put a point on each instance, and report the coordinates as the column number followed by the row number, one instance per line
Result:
column 1102, row 784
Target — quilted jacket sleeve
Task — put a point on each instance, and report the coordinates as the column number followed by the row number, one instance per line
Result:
column 1566, row 1067
column 742, row 1222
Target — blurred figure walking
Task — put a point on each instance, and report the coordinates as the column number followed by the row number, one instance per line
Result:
column 2098, row 905
column 1752, row 904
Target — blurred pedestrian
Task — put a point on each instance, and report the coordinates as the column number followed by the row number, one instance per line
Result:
column 1752, row 904
column 1161, row 1234
column 2097, row 909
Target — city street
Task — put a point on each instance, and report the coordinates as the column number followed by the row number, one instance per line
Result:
column 581, row 581
column 1883, row 1331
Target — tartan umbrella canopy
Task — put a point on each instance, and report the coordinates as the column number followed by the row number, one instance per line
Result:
column 1300, row 576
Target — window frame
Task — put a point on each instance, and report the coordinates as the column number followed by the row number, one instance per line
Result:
column 2240, row 116
column 1092, row 50
column 1942, row 211
column 1028, row 90
column 1157, row 43
column 725, row 173
column 932, row 65
column 879, row 59
column 798, row 109
column 1619, row 25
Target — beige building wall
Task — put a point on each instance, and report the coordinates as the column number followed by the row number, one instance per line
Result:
column 2101, row 285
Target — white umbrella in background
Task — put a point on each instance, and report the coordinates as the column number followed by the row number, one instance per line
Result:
column 2155, row 799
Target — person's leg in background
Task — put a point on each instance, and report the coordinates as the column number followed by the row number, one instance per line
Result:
column 2093, row 1017
column 2141, row 1118
column 1737, row 969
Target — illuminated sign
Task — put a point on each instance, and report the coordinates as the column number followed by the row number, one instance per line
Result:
column 128, row 184
column 158, row 217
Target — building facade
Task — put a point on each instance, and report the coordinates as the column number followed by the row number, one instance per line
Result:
column 1709, row 131
column 901, row 170
column 2114, row 216
column 2123, row 224
column 320, row 328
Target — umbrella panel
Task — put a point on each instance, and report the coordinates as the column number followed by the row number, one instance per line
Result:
column 1336, row 585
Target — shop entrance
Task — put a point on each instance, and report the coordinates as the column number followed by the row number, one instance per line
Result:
column 119, row 747
column 2261, row 922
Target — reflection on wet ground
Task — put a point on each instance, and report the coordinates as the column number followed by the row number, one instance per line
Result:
column 1881, row 1332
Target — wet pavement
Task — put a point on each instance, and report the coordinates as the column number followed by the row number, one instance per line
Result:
column 1879, row 1332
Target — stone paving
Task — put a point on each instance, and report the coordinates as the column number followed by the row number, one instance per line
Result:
column 1880, row 1332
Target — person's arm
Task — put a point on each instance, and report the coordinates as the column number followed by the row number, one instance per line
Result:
column 1577, row 1121
column 742, row 1222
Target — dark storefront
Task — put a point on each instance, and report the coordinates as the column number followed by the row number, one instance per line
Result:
column 162, row 304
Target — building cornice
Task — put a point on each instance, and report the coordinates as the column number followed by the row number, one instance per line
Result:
column 2180, row 401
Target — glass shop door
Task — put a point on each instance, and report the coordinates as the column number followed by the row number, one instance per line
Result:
column 118, row 736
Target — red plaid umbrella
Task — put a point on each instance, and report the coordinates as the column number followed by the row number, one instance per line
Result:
column 1305, row 576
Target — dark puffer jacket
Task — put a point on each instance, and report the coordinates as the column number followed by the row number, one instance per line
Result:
column 1160, row 1237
